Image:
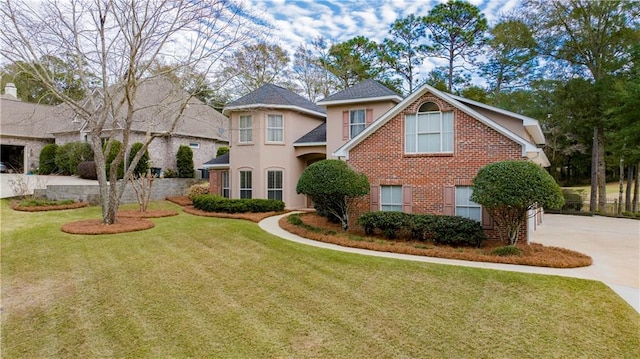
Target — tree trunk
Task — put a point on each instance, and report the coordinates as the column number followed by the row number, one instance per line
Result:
column 594, row 172
column 602, row 173
column 627, row 198
column 635, row 188
column 621, row 186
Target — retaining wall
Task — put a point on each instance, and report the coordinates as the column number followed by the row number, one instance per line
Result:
column 161, row 189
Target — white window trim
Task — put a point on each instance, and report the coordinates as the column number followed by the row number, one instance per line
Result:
column 394, row 204
column 248, row 130
column 273, row 128
column 281, row 189
column 470, row 205
column 352, row 124
column 417, row 133
column 240, row 188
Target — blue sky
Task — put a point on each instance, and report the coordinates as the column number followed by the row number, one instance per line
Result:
column 300, row 21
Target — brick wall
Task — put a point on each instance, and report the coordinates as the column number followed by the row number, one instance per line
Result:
column 382, row 159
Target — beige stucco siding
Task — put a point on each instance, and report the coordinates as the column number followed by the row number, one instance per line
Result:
column 260, row 156
column 511, row 123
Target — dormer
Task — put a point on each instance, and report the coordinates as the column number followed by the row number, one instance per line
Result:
column 351, row 110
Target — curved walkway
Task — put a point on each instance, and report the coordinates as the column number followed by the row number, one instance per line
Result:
column 613, row 243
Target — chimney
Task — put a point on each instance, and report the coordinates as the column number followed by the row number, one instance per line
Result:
column 10, row 89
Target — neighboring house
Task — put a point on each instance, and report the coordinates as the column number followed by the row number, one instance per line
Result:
column 275, row 135
column 24, row 130
column 26, row 127
column 419, row 153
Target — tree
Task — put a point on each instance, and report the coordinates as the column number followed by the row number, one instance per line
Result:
column 316, row 81
column 456, row 32
column 508, row 189
column 184, row 162
column 333, row 187
column 118, row 40
column 258, row 64
column 404, row 52
column 596, row 39
column 511, row 57
column 143, row 164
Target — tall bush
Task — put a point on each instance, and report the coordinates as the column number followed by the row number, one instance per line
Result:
column 333, row 186
column 508, row 189
column 222, row 150
column 111, row 156
column 69, row 156
column 143, row 164
column 184, row 162
column 47, row 163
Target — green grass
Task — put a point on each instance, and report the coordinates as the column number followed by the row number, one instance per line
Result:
column 613, row 189
column 207, row 287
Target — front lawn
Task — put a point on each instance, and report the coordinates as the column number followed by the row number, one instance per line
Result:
column 196, row 286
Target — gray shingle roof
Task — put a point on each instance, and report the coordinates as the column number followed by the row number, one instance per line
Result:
column 26, row 119
column 220, row 160
column 364, row 90
column 274, row 96
column 317, row 135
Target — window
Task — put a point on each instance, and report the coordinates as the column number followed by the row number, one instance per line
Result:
column 226, row 191
column 275, row 128
column 194, row 145
column 430, row 131
column 274, row 185
column 391, row 198
column 356, row 122
column 466, row 207
column 246, row 129
column 246, row 188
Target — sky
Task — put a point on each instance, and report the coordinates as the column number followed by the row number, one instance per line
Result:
column 300, row 21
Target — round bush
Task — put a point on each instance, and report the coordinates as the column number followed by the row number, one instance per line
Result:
column 47, row 163
column 116, row 147
column 69, row 156
column 197, row 190
column 87, row 170
column 506, row 251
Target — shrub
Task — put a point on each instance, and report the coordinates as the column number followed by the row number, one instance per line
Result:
column 389, row 223
column 333, row 186
column 222, row 150
column 143, row 164
column 420, row 226
column 87, row 170
column 572, row 201
column 197, row 190
column 215, row 203
column 169, row 173
column 47, row 163
column 506, row 251
column 184, row 162
column 456, row 230
column 69, row 156
column 116, row 147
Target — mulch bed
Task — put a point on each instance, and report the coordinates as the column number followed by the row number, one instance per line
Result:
column 534, row 254
column 95, row 226
column 16, row 206
column 182, row 201
column 253, row 217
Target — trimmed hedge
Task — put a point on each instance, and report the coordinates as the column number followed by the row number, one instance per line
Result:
column 214, row 203
column 452, row 230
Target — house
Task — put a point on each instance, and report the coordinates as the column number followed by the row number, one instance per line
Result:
column 420, row 153
column 24, row 130
column 275, row 134
column 26, row 127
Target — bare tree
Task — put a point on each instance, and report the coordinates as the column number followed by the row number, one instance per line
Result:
column 117, row 41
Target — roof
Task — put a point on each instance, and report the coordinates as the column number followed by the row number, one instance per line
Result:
column 365, row 91
column 314, row 137
column 529, row 149
column 25, row 119
column 272, row 96
column 221, row 161
column 157, row 104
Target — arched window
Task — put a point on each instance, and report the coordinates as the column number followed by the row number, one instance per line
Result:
column 429, row 130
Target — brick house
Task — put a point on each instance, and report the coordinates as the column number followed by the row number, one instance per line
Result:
column 421, row 155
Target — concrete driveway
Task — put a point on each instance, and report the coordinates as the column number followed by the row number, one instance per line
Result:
column 8, row 182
